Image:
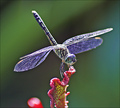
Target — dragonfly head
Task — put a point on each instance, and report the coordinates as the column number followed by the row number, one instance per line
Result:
column 70, row 59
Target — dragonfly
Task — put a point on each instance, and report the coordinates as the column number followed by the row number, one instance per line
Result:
column 65, row 51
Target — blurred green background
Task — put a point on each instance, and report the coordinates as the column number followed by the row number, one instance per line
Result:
column 96, row 82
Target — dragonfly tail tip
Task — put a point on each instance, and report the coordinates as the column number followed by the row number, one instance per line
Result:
column 33, row 11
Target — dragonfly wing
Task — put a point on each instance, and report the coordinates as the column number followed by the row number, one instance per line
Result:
column 80, row 38
column 84, row 45
column 40, row 51
column 32, row 60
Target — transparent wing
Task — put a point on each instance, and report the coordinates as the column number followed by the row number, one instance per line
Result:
column 85, row 45
column 82, row 37
column 32, row 60
column 40, row 51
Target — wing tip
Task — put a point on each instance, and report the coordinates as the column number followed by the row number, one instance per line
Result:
column 16, row 69
column 100, row 41
column 109, row 29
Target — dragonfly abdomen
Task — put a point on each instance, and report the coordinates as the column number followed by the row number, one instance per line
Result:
column 45, row 29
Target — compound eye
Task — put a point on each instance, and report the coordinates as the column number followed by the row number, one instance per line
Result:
column 68, row 60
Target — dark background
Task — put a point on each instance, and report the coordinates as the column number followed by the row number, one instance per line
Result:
column 96, row 81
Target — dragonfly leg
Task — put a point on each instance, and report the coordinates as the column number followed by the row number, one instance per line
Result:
column 62, row 70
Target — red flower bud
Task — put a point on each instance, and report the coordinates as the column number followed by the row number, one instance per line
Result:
column 34, row 103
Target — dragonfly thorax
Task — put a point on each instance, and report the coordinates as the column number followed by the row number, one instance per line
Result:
column 70, row 59
column 61, row 51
